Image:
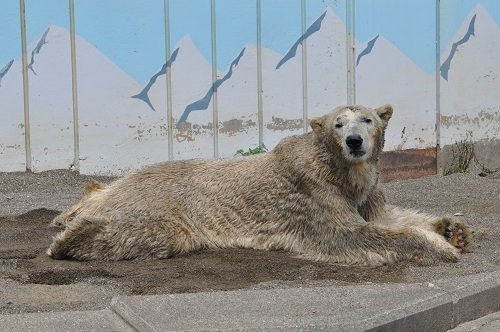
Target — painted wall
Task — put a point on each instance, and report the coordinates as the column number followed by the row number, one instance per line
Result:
column 178, row 79
column 469, row 71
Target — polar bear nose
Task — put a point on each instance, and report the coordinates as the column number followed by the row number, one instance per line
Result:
column 354, row 141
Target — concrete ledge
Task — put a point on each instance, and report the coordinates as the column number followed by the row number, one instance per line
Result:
column 340, row 308
column 489, row 323
column 102, row 320
column 474, row 296
column 437, row 306
column 387, row 307
column 412, row 319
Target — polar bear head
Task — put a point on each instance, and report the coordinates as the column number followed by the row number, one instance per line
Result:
column 354, row 133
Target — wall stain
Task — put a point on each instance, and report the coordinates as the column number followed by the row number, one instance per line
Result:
column 6, row 147
column 489, row 116
column 280, row 124
column 491, row 75
column 234, row 126
column 140, row 135
column 186, row 131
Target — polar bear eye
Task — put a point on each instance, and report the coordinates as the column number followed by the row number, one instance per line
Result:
column 367, row 120
column 339, row 125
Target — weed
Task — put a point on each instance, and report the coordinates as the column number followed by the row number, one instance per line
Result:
column 462, row 154
column 260, row 149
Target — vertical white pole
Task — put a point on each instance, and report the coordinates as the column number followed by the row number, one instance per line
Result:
column 438, row 87
column 214, row 79
column 260, row 114
column 74, row 87
column 170, row 120
column 27, row 131
column 351, row 52
column 304, row 69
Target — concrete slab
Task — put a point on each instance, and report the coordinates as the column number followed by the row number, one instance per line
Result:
column 351, row 308
column 473, row 296
column 437, row 306
column 489, row 323
column 102, row 320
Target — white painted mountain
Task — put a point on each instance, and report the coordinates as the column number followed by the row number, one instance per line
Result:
column 109, row 118
column 386, row 76
column 282, row 85
column 237, row 90
column 50, row 100
column 327, row 66
column 237, row 95
column 470, row 97
column 237, row 102
column 283, row 80
column 50, row 110
column 12, row 152
column 191, row 77
column 107, row 115
column 326, row 71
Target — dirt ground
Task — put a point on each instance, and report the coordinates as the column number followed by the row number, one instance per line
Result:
column 32, row 282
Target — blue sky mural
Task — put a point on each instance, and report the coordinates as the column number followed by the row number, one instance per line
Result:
column 130, row 33
column 10, row 34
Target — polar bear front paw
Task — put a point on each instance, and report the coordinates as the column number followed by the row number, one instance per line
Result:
column 456, row 233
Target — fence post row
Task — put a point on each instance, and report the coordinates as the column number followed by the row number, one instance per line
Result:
column 350, row 89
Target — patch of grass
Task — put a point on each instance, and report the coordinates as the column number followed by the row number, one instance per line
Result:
column 462, row 155
column 260, row 149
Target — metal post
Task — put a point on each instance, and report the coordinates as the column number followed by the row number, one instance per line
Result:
column 74, row 87
column 170, row 120
column 260, row 114
column 214, row 79
column 438, row 88
column 27, row 131
column 304, row 69
column 351, row 52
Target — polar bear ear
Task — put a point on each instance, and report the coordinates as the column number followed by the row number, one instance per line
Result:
column 385, row 113
column 318, row 125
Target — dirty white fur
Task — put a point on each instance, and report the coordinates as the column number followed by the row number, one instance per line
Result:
column 316, row 195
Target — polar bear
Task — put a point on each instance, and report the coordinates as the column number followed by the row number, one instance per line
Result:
column 316, row 195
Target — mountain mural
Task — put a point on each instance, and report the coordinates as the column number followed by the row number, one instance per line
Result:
column 445, row 67
column 386, row 75
column 367, row 50
column 470, row 81
column 123, row 125
column 316, row 26
column 37, row 50
column 5, row 70
column 12, row 129
column 202, row 104
column 143, row 95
